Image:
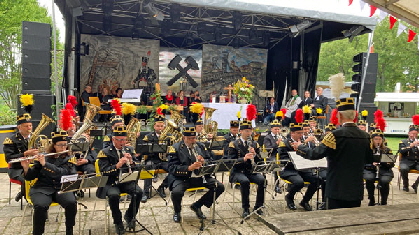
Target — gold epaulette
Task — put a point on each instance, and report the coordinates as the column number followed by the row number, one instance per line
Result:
column 330, row 141
column 145, row 138
column 101, row 154
column 7, row 141
column 72, row 160
column 106, row 138
column 231, row 145
column 171, row 149
column 282, row 144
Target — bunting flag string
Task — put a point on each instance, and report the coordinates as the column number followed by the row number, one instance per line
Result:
column 372, row 10
column 411, row 35
column 401, row 29
column 393, row 20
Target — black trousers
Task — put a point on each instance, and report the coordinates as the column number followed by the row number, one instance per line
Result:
column 297, row 179
column 336, row 204
column 89, row 168
column 41, row 203
column 179, row 187
column 113, row 196
column 405, row 167
column 384, row 178
column 155, row 165
column 245, row 180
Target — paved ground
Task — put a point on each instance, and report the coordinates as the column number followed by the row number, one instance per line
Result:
column 157, row 218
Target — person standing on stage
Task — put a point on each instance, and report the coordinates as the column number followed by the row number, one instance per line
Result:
column 320, row 101
column 385, row 172
column 185, row 158
column 247, row 151
column 345, row 183
column 48, row 172
column 409, row 150
column 291, row 106
column 113, row 161
column 155, row 160
column 16, row 146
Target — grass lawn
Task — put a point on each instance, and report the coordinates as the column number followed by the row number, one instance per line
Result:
column 393, row 142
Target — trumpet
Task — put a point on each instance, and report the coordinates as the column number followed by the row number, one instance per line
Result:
column 21, row 159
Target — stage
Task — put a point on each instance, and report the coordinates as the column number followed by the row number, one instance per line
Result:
column 226, row 112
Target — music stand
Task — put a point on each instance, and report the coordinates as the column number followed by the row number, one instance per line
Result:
column 158, row 148
column 128, row 177
column 217, row 144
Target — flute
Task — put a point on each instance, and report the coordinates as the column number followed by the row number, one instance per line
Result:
column 21, row 159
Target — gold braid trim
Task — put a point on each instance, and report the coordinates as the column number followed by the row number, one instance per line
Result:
column 106, row 138
column 72, row 160
column 171, row 149
column 101, row 154
column 231, row 144
column 330, row 141
column 7, row 141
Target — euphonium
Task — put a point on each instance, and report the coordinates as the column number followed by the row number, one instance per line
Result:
column 133, row 128
column 35, row 135
column 169, row 128
column 177, row 119
column 210, row 127
column 91, row 111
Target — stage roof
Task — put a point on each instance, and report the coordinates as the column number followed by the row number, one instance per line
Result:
column 407, row 10
column 191, row 23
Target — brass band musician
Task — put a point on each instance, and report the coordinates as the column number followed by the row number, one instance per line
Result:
column 232, row 135
column 272, row 142
column 409, row 159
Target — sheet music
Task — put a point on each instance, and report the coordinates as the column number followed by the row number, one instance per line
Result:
column 69, row 178
column 388, row 158
column 127, row 177
column 301, row 163
column 132, row 94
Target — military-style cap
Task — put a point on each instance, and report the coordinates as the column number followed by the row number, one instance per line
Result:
column 296, row 127
column 245, row 124
column 59, row 136
column 345, row 104
column 199, row 122
column 330, row 127
column 234, row 123
column 159, row 119
column 362, row 122
column 120, row 131
column 189, row 131
column 413, row 128
column 24, row 118
column 116, row 119
column 275, row 123
column 306, row 123
column 377, row 132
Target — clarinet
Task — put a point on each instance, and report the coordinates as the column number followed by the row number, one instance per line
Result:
column 249, row 146
column 127, row 163
column 195, row 153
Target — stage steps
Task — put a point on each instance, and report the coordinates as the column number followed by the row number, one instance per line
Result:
column 397, row 219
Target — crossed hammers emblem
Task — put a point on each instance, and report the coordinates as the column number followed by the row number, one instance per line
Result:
column 183, row 72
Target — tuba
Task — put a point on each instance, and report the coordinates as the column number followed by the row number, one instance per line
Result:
column 210, row 126
column 178, row 120
column 133, row 128
column 77, row 142
column 37, row 140
column 170, row 128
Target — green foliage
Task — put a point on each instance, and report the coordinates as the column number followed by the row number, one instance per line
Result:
column 8, row 116
column 12, row 13
column 398, row 60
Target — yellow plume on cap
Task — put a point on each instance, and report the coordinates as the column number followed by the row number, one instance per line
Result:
column 306, row 109
column 364, row 113
column 26, row 99
column 319, row 110
column 128, row 108
column 197, row 108
column 238, row 114
column 279, row 113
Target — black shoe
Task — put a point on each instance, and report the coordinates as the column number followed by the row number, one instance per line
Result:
column 198, row 211
column 237, row 186
column 144, row 199
column 119, row 229
column 372, row 202
column 259, row 211
column 306, row 206
column 383, row 202
column 415, row 188
column 290, row 203
column 160, row 191
column 80, row 193
column 69, row 231
column 176, row 217
column 246, row 213
column 130, row 222
column 406, row 188
column 322, row 206
column 18, row 196
column 278, row 189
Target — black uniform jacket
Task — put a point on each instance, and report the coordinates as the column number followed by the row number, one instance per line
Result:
column 408, row 153
column 237, row 150
column 227, row 139
column 14, row 147
column 49, row 176
column 347, row 150
column 108, row 158
column 180, row 159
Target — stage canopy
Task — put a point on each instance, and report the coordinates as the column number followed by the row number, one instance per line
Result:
column 291, row 35
column 407, row 10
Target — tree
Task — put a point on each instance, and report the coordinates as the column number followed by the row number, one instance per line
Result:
column 398, row 60
column 12, row 13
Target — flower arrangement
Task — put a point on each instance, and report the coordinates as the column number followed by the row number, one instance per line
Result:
column 244, row 90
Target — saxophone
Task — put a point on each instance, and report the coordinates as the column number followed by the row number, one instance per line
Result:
column 37, row 140
column 133, row 128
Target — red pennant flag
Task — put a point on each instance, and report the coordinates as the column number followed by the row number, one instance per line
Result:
column 411, row 36
column 392, row 21
column 350, row 2
column 373, row 9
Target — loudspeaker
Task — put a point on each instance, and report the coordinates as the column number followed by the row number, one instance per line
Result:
column 42, row 104
column 368, row 94
column 36, row 57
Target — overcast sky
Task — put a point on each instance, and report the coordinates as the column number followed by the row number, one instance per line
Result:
column 337, row 6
